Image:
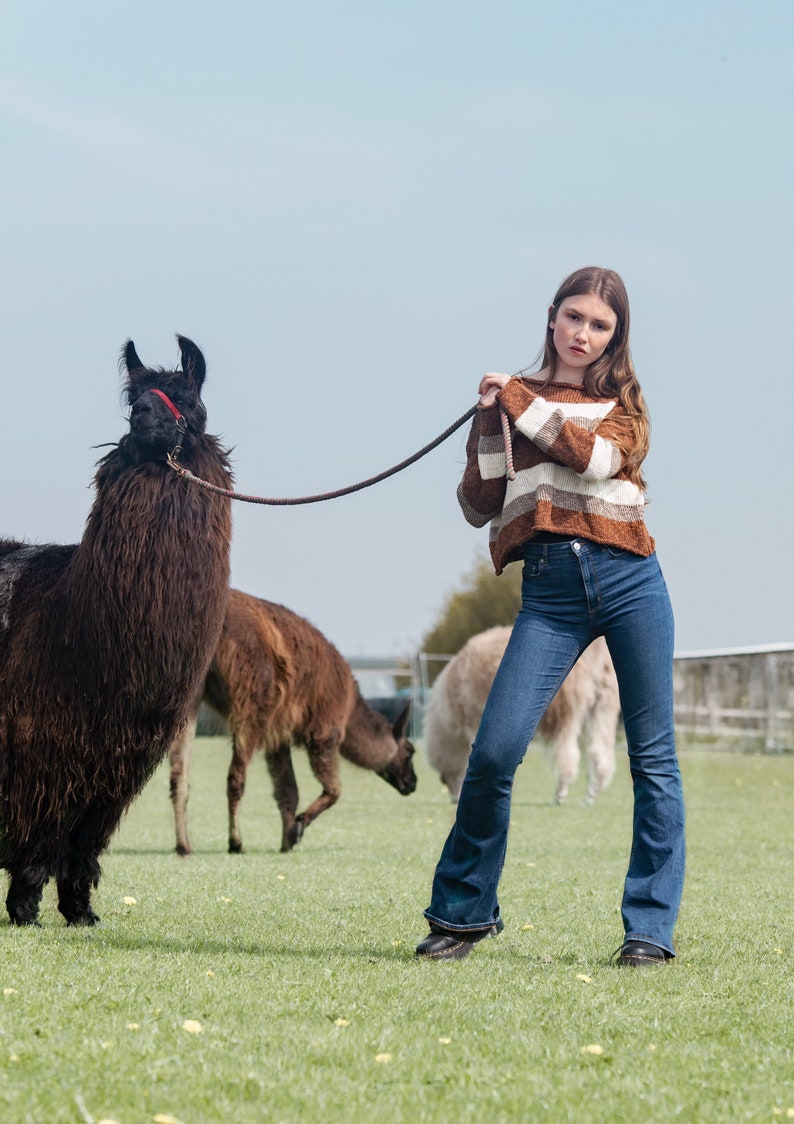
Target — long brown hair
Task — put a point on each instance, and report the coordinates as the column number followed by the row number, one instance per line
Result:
column 612, row 375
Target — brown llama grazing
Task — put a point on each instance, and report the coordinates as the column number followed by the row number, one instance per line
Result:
column 278, row 682
column 588, row 698
column 103, row 643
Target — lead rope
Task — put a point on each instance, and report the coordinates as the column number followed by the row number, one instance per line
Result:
column 508, row 440
column 295, row 501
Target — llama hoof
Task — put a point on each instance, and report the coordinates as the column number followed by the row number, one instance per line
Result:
column 183, row 849
column 85, row 920
column 18, row 923
column 236, row 847
column 294, row 834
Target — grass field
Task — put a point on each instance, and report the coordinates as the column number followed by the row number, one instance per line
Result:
column 269, row 987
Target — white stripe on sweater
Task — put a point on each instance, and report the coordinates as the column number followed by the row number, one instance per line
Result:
column 618, row 493
column 492, row 465
column 541, row 412
column 605, row 461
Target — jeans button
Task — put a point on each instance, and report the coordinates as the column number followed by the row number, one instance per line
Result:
column 577, row 547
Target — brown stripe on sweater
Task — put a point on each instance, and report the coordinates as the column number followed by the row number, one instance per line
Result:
column 527, row 502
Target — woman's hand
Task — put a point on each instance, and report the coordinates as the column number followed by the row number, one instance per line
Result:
column 490, row 385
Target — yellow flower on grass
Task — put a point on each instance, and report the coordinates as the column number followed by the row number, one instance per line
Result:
column 10, row 991
column 342, row 1022
column 166, row 1118
column 585, row 979
column 133, row 1026
column 445, row 1041
column 383, row 1057
column 192, row 1026
column 281, row 877
column 210, row 974
column 527, row 928
column 130, row 900
column 594, row 1049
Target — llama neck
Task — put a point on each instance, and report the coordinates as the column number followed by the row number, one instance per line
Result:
column 369, row 740
column 150, row 576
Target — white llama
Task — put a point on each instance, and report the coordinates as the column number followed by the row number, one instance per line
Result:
column 588, row 698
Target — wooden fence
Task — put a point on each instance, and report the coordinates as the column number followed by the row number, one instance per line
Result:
column 740, row 698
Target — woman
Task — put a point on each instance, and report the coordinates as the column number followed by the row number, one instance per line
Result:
column 574, row 513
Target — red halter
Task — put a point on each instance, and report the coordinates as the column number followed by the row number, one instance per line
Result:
column 169, row 404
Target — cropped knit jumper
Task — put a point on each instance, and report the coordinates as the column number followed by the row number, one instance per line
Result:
column 571, row 476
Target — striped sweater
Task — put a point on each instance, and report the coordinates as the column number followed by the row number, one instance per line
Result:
column 571, row 477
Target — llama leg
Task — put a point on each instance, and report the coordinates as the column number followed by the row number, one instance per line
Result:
column 285, row 791
column 565, row 747
column 180, row 757
column 80, row 877
column 454, row 782
column 24, row 893
column 324, row 761
column 79, row 870
column 242, row 752
column 600, row 746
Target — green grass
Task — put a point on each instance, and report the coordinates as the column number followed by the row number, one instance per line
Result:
column 300, row 971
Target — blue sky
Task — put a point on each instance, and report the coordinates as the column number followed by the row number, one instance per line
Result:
column 356, row 209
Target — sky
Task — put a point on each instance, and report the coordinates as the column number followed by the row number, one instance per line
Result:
column 355, row 210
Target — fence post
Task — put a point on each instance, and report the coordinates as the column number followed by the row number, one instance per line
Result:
column 772, row 703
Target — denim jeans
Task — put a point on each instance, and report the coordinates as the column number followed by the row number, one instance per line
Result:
column 571, row 593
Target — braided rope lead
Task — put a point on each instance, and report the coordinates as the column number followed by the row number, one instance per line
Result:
column 508, row 440
column 188, row 475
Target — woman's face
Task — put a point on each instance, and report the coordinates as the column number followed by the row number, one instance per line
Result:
column 582, row 329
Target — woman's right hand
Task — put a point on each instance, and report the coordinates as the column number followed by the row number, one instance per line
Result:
column 490, row 385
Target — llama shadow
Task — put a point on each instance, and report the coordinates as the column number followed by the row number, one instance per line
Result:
column 206, row 947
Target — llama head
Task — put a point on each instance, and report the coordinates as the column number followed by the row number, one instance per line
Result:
column 166, row 410
column 399, row 772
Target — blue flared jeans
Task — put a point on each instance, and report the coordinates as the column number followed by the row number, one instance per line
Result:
column 571, row 593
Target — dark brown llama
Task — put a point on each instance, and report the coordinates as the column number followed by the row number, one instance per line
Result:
column 103, row 644
column 277, row 682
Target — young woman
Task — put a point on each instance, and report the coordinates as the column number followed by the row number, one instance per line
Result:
column 574, row 514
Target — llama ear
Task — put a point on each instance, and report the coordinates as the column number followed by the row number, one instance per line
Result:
column 192, row 361
column 130, row 357
column 401, row 725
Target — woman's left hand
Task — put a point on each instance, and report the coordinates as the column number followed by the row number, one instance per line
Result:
column 490, row 385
